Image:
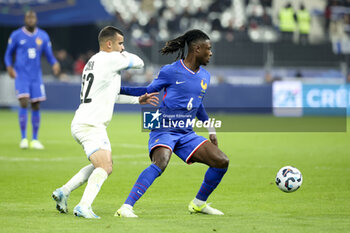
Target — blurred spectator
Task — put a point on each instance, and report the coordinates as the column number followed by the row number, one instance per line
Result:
column 79, row 64
column 66, row 63
column 268, row 77
column 287, row 22
column 152, row 27
column 266, row 18
column 304, row 23
column 200, row 14
column 216, row 25
column 254, row 12
column 327, row 16
column 266, row 3
column 229, row 31
column 174, row 20
column 298, row 74
column 89, row 54
column 258, row 15
column 336, row 25
column 219, row 5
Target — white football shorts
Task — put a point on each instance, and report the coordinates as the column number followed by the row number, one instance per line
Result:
column 91, row 138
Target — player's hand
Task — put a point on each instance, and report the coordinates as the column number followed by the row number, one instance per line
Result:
column 151, row 99
column 213, row 139
column 11, row 72
column 56, row 68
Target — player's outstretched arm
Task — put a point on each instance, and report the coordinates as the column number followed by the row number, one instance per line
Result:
column 151, row 99
column 156, row 85
column 135, row 62
column 133, row 91
column 202, row 115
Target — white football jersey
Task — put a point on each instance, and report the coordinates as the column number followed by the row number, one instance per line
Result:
column 100, row 85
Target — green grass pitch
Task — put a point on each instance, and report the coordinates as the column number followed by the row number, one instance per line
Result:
column 247, row 195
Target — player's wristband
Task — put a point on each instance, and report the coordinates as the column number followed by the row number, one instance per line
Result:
column 211, row 130
column 124, row 99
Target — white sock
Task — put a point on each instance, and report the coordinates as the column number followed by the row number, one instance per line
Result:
column 96, row 179
column 198, row 202
column 127, row 206
column 78, row 179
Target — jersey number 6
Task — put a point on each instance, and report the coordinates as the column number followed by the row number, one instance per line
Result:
column 189, row 105
column 85, row 93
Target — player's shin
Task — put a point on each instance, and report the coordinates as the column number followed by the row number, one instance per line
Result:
column 144, row 181
column 23, row 116
column 96, row 179
column 78, row 179
column 35, row 123
column 212, row 178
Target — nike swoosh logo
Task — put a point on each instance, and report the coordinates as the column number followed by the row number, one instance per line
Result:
column 177, row 82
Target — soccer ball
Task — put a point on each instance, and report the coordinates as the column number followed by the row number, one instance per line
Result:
column 289, row 179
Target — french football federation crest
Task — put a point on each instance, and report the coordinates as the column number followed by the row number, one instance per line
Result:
column 204, row 85
column 38, row 41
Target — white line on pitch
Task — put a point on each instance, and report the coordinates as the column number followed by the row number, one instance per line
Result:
column 36, row 159
column 123, row 145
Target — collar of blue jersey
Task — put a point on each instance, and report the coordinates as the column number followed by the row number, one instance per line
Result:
column 28, row 32
column 188, row 69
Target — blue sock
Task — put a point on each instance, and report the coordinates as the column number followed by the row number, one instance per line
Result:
column 35, row 123
column 145, row 180
column 212, row 178
column 22, row 117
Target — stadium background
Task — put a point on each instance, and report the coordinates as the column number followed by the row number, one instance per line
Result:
column 249, row 50
column 254, row 69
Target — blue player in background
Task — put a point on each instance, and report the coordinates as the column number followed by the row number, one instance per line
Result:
column 184, row 83
column 27, row 44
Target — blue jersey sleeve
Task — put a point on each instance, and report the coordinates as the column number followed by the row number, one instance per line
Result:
column 159, row 83
column 11, row 48
column 201, row 113
column 156, row 85
column 48, row 50
column 134, row 91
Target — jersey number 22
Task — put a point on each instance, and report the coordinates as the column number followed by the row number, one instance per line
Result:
column 84, row 93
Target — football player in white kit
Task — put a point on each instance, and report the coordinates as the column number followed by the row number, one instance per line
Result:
column 99, row 91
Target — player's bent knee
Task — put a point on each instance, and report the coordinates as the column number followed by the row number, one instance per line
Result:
column 162, row 164
column 223, row 161
column 161, row 161
column 108, row 169
column 161, row 158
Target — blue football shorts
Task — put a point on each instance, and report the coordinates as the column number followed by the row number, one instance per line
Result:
column 184, row 145
column 33, row 89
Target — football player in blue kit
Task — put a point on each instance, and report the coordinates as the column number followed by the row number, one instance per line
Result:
column 184, row 82
column 28, row 43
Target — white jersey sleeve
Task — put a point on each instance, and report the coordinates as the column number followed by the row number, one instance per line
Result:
column 126, row 99
column 135, row 62
column 124, row 60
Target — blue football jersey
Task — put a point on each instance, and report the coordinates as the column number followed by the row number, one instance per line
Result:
column 28, row 48
column 184, row 91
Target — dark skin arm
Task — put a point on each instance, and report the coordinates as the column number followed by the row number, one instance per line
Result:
column 213, row 139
